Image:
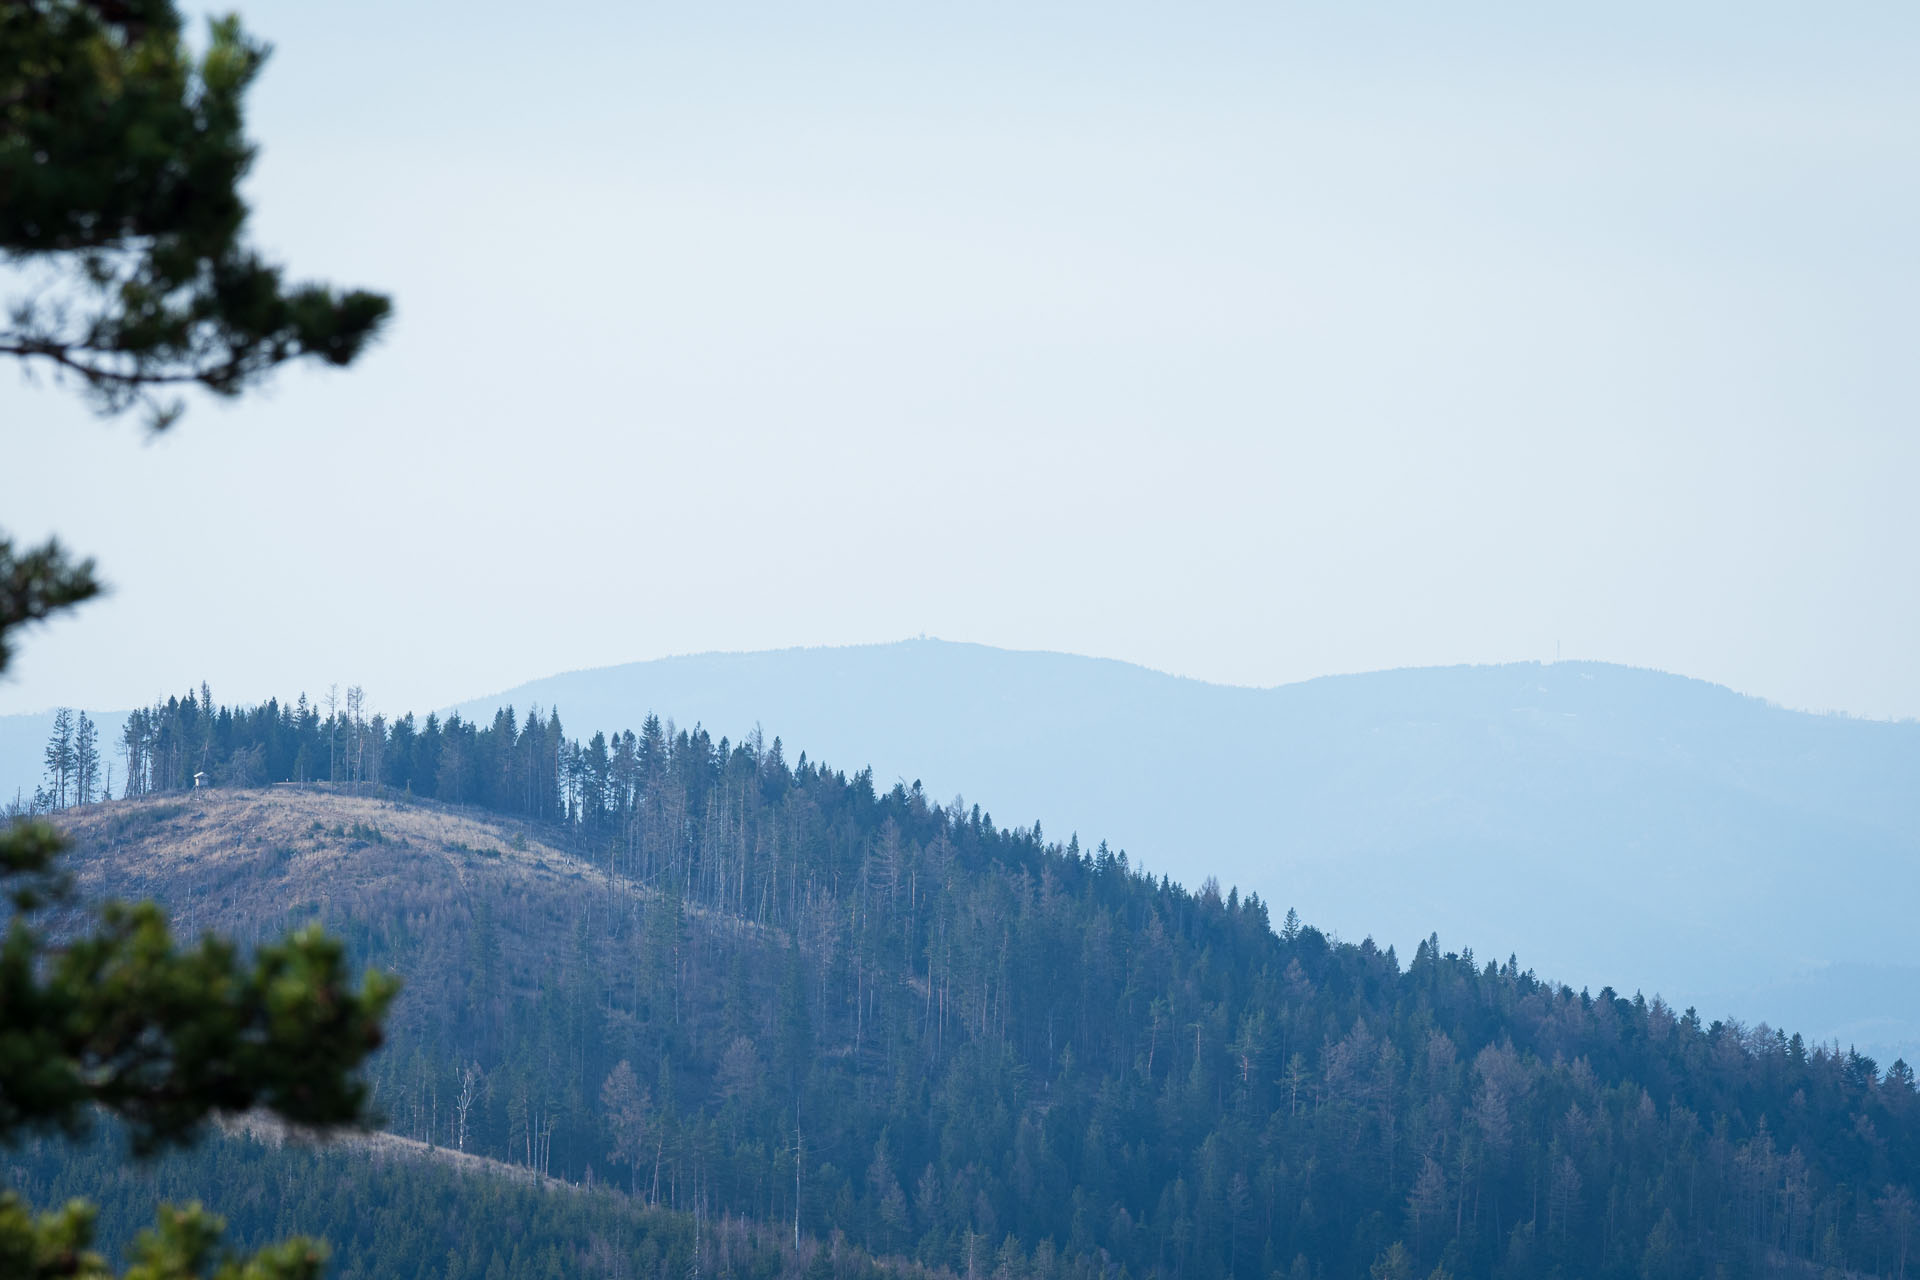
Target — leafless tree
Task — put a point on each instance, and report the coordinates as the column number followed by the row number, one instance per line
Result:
column 333, row 728
column 470, row 1081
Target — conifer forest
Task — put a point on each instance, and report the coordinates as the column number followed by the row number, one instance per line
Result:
column 773, row 992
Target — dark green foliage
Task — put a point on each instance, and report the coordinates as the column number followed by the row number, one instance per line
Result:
column 121, row 158
column 36, row 584
column 123, row 1018
column 969, row 1033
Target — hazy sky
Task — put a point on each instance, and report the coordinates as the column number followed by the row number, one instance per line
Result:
column 1250, row 343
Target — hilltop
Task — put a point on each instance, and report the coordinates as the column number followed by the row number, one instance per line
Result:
column 236, row 858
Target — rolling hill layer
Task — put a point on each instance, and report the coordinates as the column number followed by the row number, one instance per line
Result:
column 1612, row 825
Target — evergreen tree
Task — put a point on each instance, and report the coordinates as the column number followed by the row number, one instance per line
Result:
column 122, row 153
column 86, row 760
column 59, row 757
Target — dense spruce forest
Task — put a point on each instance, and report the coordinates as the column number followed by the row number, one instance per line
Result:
column 776, row 991
column 385, row 1215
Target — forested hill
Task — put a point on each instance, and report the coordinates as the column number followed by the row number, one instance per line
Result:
column 1626, row 825
column 743, row 985
column 1601, row 819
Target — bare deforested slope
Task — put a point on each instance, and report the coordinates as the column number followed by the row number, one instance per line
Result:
column 450, row 897
column 256, row 847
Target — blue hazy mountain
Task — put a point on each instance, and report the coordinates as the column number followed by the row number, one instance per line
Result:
column 1611, row 826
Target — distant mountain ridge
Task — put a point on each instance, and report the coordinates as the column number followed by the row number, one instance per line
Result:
column 1607, row 824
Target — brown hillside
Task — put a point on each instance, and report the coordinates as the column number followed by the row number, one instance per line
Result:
column 311, row 841
column 472, row 909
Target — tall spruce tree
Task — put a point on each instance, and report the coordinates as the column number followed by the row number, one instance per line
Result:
column 59, row 757
column 86, row 760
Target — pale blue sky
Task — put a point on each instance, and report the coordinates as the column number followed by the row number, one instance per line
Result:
column 1249, row 343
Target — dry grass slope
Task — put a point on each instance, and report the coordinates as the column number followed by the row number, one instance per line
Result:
column 432, row 890
column 309, row 837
